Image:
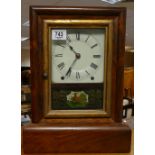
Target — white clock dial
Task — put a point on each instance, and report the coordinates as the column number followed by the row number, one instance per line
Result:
column 78, row 59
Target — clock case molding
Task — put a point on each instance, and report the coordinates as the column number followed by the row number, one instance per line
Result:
column 76, row 135
column 105, row 24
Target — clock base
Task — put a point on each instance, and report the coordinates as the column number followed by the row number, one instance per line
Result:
column 77, row 138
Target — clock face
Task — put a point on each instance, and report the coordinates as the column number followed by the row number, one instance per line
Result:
column 78, row 57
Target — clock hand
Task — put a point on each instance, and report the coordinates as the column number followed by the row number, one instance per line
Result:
column 77, row 55
column 70, row 68
column 71, row 48
column 68, row 72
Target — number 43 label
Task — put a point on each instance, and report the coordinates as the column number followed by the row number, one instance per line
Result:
column 58, row 34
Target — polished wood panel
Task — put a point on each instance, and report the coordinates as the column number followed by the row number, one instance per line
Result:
column 77, row 138
column 130, row 153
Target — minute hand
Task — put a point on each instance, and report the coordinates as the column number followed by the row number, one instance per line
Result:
column 70, row 68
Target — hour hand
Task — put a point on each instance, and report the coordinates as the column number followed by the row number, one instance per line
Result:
column 77, row 55
column 71, row 48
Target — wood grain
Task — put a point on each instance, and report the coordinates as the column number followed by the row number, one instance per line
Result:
column 130, row 153
column 76, row 138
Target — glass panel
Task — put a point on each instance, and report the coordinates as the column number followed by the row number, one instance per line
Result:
column 77, row 68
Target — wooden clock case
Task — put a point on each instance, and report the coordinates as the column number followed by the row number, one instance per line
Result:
column 76, row 135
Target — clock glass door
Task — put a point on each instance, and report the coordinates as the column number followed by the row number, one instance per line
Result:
column 77, row 69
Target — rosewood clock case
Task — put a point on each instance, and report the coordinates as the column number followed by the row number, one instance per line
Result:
column 93, row 132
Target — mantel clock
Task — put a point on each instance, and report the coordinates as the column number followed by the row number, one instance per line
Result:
column 77, row 80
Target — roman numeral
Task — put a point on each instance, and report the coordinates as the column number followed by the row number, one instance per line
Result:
column 77, row 75
column 87, row 39
column 61, row 65
column 96, row 56
column 68, row 39
column 78, row 36
column 87, row 72
column 94, row 45
column 58, row 55
column 94, row 66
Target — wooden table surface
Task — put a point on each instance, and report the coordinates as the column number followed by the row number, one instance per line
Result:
column 131, row 153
